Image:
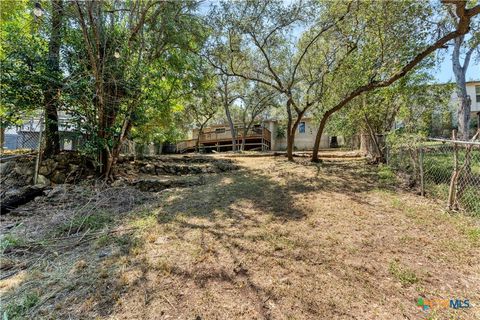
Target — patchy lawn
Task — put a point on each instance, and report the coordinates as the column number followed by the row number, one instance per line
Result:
column 273, row 240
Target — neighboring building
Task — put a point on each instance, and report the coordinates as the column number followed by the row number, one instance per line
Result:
column 268, row 135
column 27, row 135
column 473, row 90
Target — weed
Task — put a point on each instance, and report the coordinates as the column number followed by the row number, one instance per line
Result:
column 10, row 241
column 18, row 310
column 386, row 175
column 80, row 223
column 145, row 222
column 473, row 234
column 397, row 203
column 163, row 266
column 402, row 273
column 406, row 239
column 103, row 240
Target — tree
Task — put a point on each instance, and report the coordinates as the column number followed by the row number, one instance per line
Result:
column 203, row 111
column 124, row 42
column 258, row 40
column 53, row 83
column 459, row 70
column 22, row 53
column 381, row 74
column 228, row 91
column 411, row 104
column 256, row 101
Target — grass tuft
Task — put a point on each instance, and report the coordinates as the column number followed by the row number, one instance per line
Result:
column 19, row 310
column 79, row 223
column 10, row 241
column 386, row 175
column 402, row 273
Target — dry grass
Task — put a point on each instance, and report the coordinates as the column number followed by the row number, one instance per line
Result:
column 275, row 240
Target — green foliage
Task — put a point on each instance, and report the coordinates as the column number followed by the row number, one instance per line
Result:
column 22, row 52
column 386, row 175
column 281, row 130
column 143, row 70
column 412, row 105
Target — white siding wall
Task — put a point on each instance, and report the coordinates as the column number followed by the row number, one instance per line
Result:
column 303, row 141
column 471, row 92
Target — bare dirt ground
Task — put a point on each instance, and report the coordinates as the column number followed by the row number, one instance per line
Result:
column 273, row 240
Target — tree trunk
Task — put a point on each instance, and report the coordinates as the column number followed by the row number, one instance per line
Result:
column 292, row 128
column 291, row 137
column 197, row 143
column 290, row 145
column 318, row 137
column 463, row 113
column 52, row 92
column 245, row 132
column 230, row 123
column 2, row 138
column 464, row 102
column 112, row 157
column 364, row 148
column 374, row 149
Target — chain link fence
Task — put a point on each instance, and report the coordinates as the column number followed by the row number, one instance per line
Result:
column 25, row 138
column 444, row 169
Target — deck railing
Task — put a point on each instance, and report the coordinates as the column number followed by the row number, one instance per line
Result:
column 225, row 135
column 217, row 135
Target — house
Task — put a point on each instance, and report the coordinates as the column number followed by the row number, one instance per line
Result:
column 304, row 137
column 473, row 90
column 219, row 138
column 268, row 135
column 27, row 134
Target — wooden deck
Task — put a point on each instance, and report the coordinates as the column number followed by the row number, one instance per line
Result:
column 221, row 140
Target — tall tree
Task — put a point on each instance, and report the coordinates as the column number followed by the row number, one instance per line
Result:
column 201, row 112
column 257, row 99
column 229, row 91
column 383, row 72
column 260, row 42
column 460, row 70
column 54, row 80
column 411, row 103
column 124, row 42
column 22, row 53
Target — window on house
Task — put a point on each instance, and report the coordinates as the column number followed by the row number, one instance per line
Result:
column 301, row 127
column 220, row 130
column 477, row 93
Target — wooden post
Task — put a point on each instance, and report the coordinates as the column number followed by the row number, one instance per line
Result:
column 452, row 198
column 422, row 182
column 39, row 152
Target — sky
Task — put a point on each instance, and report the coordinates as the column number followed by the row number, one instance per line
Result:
column 444, row 73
